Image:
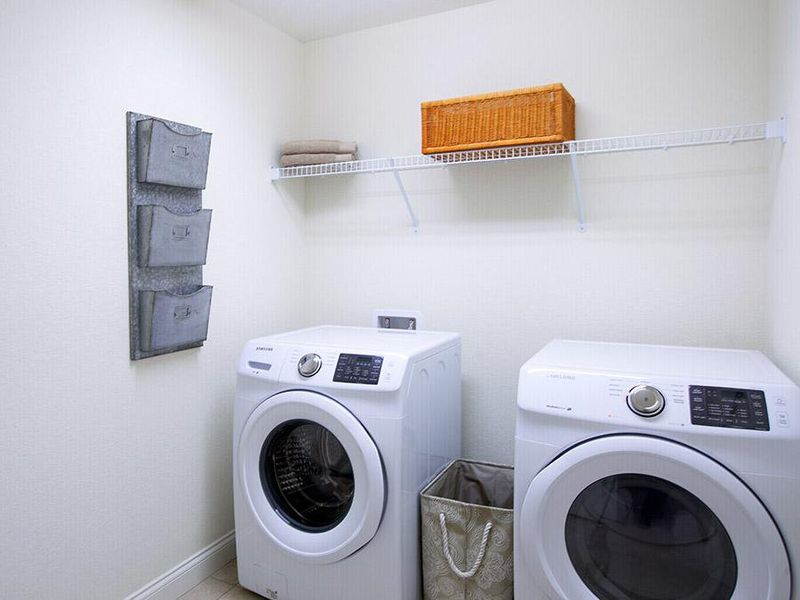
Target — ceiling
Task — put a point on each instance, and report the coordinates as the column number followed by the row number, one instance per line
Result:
column 314, row 19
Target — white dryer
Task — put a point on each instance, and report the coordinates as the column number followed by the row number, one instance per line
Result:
column 336, row 430
column 656, row 473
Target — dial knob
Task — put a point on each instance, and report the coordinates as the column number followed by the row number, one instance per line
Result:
column 309, row 365
column 646, row 401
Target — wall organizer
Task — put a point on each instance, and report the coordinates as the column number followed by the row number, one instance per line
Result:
column 168, row 233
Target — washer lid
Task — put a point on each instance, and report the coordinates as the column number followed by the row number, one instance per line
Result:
column 371, row 340
column 312, row 476
column 631, row 516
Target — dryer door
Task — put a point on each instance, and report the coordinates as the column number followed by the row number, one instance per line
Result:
column 312, row 476
column 630, row 517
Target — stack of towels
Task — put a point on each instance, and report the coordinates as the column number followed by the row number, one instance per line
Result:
column 317, row 152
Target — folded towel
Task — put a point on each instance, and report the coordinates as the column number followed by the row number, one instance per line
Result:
column 298, row 160
column 319, row 147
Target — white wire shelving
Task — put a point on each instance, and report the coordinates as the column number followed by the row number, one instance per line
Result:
column 656, row 141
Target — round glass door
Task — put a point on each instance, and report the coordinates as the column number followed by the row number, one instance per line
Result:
column 636, row 517
column 644, row 538
column 307, row 475
column 311, row 475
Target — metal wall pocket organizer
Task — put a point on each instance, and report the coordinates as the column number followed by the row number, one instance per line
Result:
column 168, row 233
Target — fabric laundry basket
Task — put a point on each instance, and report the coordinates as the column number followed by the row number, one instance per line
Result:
column 467, row 520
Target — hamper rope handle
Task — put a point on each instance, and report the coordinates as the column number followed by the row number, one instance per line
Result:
column 446, row 549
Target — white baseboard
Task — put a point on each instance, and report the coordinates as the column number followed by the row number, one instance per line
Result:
column 189, row 573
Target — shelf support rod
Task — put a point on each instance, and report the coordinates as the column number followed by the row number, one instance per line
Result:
column 409, row 208
column 777, row 129
column 576, row 179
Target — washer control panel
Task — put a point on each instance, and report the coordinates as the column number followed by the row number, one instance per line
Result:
column 728, row 407
column 358, row 368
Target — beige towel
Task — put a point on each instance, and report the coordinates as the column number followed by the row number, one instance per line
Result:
column 319, row 147
column 297, row 160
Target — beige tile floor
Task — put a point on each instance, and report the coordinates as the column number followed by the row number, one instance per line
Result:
column 222, row 585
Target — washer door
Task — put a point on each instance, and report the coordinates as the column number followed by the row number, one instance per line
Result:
column 633, row 517
column 312, row 476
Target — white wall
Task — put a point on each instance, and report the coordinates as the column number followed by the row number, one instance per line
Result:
column 676, row 248
column 784, row 243
column 113, row 472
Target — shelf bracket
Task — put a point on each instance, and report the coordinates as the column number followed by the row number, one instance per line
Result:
column 576, row 179
column 409, row 208
column 777, row 129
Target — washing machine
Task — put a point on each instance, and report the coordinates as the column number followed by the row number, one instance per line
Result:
column 336, row 431
column 656, row 473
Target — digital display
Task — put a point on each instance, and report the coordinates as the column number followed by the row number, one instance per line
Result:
column 728, row 407
column 358, row 368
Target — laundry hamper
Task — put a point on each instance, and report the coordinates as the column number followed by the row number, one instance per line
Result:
column 467, row 521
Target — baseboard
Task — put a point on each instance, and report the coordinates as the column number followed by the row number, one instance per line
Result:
column 189, row 573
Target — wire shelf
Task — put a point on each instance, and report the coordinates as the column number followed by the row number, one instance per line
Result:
column 656, row 141
column 628, row 143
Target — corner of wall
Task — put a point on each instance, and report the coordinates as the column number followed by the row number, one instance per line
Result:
column 784, row 243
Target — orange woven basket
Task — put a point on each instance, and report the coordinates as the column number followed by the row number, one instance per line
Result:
column 535, row 115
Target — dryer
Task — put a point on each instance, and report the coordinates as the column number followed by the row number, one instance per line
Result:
column 336, row 431
column 655, row 473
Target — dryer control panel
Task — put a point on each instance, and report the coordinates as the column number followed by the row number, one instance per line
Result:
column 728, row 407
column 358, row 368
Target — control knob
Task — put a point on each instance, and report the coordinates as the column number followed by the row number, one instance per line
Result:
column 646, row 401
column 309, row 365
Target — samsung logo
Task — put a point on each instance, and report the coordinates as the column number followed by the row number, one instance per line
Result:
column 561, row 376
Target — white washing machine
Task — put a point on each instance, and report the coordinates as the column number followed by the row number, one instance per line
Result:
column 336, row 431
column 656, row 473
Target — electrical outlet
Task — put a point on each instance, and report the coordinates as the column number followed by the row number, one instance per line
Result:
column 385, row 318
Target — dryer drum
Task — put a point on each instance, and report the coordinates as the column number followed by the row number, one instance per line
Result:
column 644, row 538
column 307, row 475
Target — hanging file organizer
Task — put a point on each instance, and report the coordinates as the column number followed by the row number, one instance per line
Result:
column 168, row 232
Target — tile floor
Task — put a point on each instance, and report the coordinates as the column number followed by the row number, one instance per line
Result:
column 222, row 585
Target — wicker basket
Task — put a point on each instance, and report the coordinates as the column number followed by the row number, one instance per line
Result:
column 518, row 117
